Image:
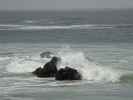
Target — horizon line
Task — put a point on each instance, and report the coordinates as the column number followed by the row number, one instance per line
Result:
column 89, row 9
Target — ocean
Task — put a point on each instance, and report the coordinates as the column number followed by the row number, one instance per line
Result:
column 97, row 43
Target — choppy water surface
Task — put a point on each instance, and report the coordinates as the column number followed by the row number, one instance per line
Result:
column 97, row 44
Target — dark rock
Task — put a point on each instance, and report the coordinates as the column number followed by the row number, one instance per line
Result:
column 68, row 73
column 48, row 70
column 39, row 72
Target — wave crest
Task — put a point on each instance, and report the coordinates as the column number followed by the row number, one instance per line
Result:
column 51, row 27
column 59, row 27
column 74, row 59
column 89, row 70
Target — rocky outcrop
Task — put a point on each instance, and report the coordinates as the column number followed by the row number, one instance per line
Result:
column 68, row 73
column 48, row 70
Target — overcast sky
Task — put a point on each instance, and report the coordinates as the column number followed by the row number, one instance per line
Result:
column 63, row 4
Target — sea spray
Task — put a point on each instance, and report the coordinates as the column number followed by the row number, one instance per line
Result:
column 24, row 65
column 72, row 58
column 89, row 70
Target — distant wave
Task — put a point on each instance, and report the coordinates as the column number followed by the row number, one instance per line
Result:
column 29, row 21
column 6, row 54
column 53, row 27
column 124, row 26
column 10, row 25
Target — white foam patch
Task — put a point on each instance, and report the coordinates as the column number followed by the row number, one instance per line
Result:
column 77, row 60
column 20, row 65
column 4, row 58
column 89, row 70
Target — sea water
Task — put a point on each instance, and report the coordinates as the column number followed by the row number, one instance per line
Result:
column 99, row 44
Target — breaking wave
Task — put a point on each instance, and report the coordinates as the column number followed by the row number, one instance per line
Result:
column 88, row 69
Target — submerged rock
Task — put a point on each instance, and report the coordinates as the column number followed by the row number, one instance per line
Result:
column 48, row 70
column 68, row 73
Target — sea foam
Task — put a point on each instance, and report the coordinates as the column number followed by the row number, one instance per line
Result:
column 71, row 58
column 89, row 70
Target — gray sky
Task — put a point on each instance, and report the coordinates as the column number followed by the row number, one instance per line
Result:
column 63, row 4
